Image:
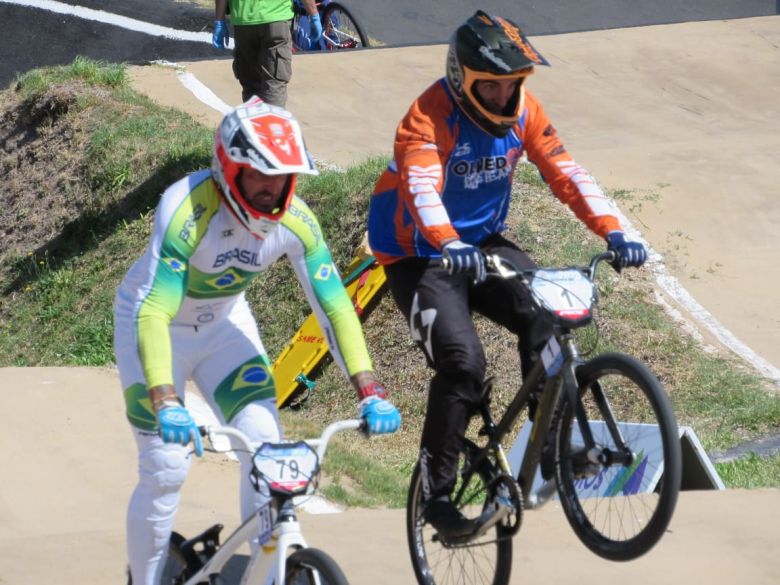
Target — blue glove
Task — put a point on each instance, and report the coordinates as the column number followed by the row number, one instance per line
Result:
column 177, row 426
column 465, row 258
column 629, row 253
column 380, row 416
column 221, row 37
column 316, row 28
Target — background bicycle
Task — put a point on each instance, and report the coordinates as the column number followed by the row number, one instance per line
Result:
column 340, row 29
column 282, row 471
column 604, row 436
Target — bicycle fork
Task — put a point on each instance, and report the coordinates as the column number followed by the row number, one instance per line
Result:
column 269, row 562
column 266, row 565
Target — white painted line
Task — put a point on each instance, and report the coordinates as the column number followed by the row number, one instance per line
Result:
column 203, row 93
column 116, row 20
column 316, row 505
column 196, row 87
column 674, row 289
column 208, row 97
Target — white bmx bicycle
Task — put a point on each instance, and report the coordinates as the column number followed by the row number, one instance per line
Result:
column 283, row 471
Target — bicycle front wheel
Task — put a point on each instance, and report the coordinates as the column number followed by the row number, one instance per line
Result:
column 485, row 561
column 619, row 498
column 340, row 30
column 306, row 565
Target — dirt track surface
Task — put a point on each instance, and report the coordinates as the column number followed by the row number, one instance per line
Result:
column 683, row 115
column 62, row 509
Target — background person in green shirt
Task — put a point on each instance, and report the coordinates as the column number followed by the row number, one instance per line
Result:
column 262, row 59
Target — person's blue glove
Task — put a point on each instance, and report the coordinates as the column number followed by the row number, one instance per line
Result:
column 315, row 30
column 177, row 426
column 629, row 253
column 380, row 415
column 221, row 36
column 462, row 257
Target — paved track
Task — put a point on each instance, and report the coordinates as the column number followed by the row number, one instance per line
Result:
column 62, row 507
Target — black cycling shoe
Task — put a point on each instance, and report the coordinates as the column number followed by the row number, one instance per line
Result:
column 442, row 514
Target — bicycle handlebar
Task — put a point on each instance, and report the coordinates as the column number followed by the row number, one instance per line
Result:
column 320, row 443
column 500, row 266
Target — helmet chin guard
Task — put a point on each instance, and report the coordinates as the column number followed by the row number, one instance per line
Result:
column 257, row 135
column 490, row 48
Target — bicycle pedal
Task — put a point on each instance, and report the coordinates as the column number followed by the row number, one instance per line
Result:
column 583, row 466
column 208, row 540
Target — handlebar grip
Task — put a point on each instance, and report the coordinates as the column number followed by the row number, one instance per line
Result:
column 613, row 259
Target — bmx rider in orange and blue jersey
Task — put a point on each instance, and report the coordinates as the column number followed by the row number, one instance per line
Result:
column 446, row 195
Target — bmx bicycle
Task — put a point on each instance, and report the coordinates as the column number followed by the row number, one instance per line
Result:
column 283, row 471
column 604, row 437
column 340, row 29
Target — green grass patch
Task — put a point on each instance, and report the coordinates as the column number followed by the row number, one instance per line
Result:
column 751, row 472
column 121, row 151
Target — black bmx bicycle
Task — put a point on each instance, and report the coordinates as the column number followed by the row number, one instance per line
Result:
column 603, row 436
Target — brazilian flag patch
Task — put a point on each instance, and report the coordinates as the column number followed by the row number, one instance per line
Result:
column 249, row 382
column 138, row 408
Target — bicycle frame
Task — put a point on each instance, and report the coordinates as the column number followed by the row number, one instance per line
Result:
column 268, row 560
column 267, row 564
column 563, row 380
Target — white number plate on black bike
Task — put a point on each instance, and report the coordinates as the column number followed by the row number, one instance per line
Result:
column 566, row 293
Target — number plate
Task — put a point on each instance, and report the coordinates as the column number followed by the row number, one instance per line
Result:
column 567, row 293
column 264, row 523
column 287, row 467
column 552, row 358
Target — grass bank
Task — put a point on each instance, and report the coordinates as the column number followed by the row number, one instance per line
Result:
column 102, row 155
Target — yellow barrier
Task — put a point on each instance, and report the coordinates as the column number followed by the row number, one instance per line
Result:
column 307, row 348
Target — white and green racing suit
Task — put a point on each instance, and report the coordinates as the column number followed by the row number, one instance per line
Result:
column 181, row 313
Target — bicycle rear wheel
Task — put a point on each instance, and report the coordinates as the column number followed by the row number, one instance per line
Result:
column 304, row 565
column 619, row 510
column 486, row 560
column 340, row 30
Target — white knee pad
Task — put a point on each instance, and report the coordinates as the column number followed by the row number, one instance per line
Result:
column 163, row 467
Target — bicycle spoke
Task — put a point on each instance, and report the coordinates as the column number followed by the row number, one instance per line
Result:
column 621, row 507
column 485, row 560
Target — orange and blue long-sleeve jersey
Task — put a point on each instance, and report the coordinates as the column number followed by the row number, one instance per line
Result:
column 449, row 179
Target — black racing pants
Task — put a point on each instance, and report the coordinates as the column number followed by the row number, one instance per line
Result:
column 438, row 308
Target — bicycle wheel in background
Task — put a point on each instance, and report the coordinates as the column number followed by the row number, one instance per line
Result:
column 340, row 30
column 304, row 565
column 486, row 560
column 620, row 511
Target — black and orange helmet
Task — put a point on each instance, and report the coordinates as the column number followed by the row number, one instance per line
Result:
column 490, row 48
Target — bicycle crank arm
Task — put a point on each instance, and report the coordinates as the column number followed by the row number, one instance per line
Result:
column 541, row 496
column 491, row 517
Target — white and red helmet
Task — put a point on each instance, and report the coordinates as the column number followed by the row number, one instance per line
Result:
column 268, row 139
